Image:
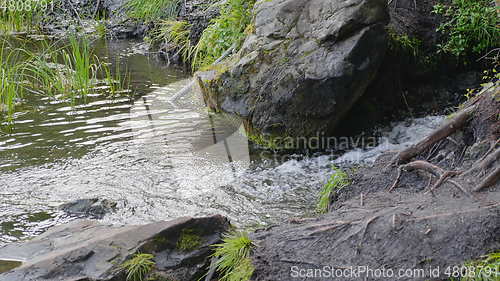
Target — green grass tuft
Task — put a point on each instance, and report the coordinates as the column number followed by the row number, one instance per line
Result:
column 338, row 180
column 138, row 267
column 175, row 34
column 233, row 255
column 151, row 10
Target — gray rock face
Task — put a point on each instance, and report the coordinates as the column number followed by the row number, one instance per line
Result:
column 85, row 250
column 304, row 66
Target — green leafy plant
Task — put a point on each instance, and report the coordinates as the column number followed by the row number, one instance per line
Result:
column 226, row 30
column 471, row 27
column 338, row 180
column 233, row 255
column 150, row 10
column 138, row 267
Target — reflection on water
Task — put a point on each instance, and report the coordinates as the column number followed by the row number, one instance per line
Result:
column 156, row 157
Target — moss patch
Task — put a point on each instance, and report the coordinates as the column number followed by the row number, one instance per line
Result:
column 188, row 240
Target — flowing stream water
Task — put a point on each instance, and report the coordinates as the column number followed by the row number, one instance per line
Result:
column 156, row 157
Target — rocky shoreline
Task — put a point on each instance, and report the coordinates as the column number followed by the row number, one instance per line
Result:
column 299, row 71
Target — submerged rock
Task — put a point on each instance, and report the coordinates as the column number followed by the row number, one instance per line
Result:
column 303, row 67
column 95, row 208
column 85, row 250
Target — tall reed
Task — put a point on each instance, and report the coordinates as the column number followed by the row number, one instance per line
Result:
column 71, row 71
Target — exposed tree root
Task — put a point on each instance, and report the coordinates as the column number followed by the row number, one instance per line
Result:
column 457, row 122
column 490, row 180
column 443, row 175
column 485, row 161
column 432, row 143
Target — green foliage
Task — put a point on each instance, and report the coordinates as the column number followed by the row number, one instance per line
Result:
column 138, row 267
column 188, row 240
column 233, row 255
column 150, row 10
column 404, row 43
column 338, row 180
column 101, row 28
column 224, row 31
column 175, row 34
column 471, row 26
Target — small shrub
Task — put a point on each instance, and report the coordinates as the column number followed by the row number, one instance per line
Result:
column 338, row 180
column 138, row 267
column 471, row 27
column 233, row 255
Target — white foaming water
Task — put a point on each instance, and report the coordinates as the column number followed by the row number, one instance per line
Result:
column 402, row 135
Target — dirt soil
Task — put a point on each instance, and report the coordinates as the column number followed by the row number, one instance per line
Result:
column 408, row 227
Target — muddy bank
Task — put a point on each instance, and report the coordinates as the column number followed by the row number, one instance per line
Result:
column 437, row 208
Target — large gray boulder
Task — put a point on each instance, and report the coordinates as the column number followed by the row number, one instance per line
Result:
column 86, row 250
column 303, row 67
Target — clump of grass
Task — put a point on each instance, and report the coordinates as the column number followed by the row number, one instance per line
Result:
column 338, row 180
column 12, row 86
column 71, row 71
column 101, row 29
column 224, row 31
column 138, row 267
column 150, row 10
column 188, row 240
column 234, row 263
column 471, row 27
column 175, row 34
